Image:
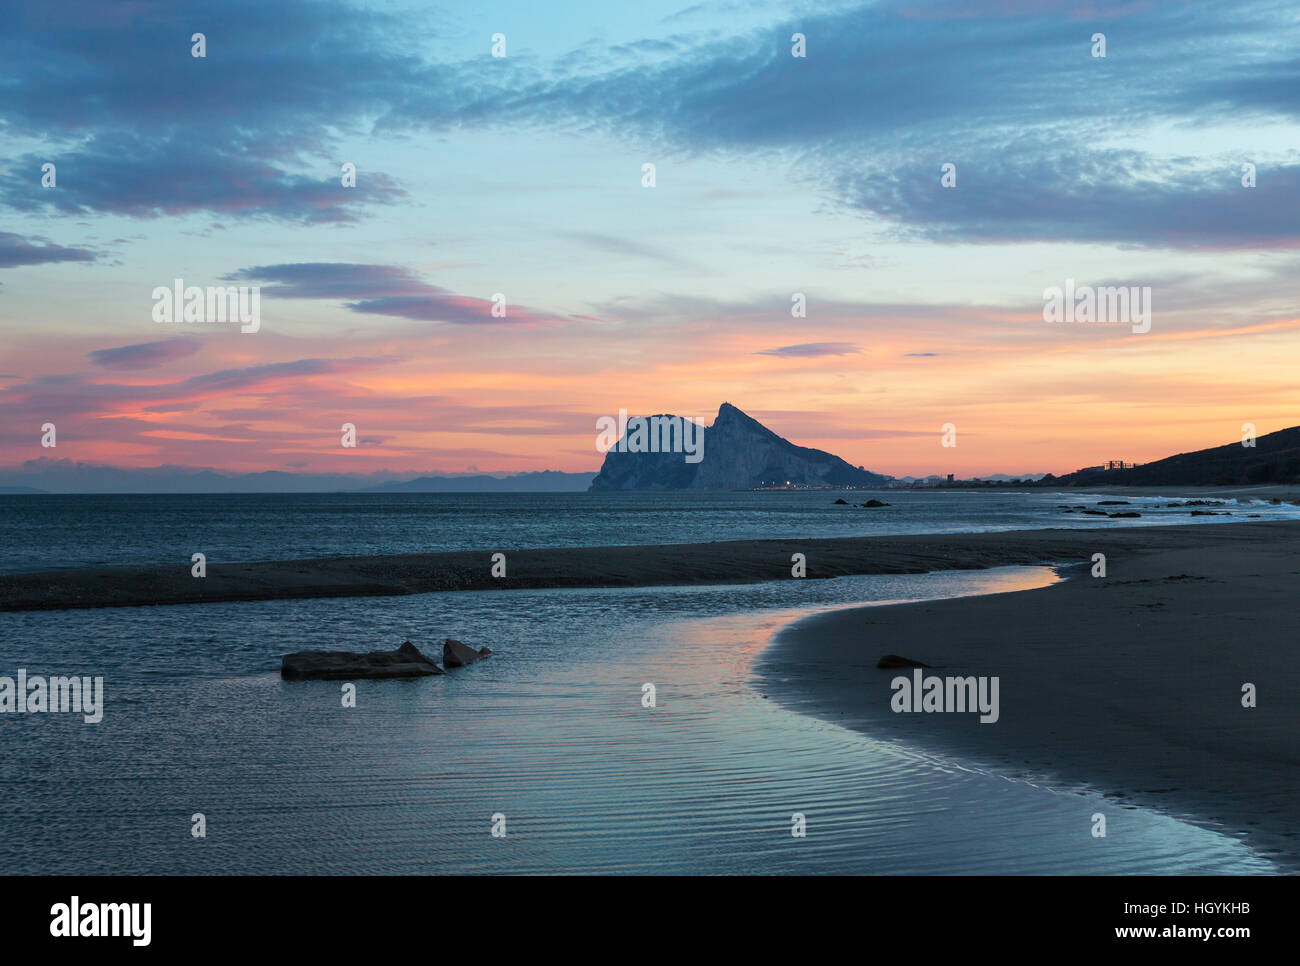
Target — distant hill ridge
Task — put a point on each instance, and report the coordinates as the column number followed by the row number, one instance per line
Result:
column 739, row 453
column 1275, row 458
column 69, row 476
column 542, row 481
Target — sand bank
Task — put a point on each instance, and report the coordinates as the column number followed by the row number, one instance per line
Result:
column 1131, row 683
column 744, row 561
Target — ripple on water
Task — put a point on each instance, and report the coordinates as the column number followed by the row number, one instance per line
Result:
column 551, row 733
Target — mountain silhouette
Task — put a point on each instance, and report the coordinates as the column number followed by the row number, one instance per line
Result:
column 739, row 453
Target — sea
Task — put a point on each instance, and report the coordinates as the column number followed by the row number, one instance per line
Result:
column 613, row 731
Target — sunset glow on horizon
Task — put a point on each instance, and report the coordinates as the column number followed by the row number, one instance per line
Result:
column 522, row 176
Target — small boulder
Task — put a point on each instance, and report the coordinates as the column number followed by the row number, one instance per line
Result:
column 873, row 503
column 1126, row 513
column 409, row 650
column 894, row 661
column 405, row 662
column 456, row 654
column 841, row 502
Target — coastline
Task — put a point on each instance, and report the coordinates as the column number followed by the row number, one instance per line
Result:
column 1281, row 492
column 726, row 562
column 1129, row 684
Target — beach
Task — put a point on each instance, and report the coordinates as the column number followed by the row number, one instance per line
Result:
column 1130, row 684
column 1127, row 687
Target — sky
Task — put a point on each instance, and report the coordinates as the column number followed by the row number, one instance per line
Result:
column 522, row 176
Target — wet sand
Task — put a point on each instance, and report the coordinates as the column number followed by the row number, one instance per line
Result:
column 1130, row 684
column 733, row 562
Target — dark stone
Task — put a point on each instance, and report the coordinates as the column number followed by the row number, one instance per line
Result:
column 842, row 502
column 1126, row 513
column 874, row 503
column 456, row 654
column 405, row 662
column 893, row 661
column 411, row 651
column 1113, row 503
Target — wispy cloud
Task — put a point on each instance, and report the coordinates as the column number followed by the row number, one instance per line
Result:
column 151, row 177
column 333, row 280
column 145, row 355
column 16, row 250
column 387, row 290
column 1011, row 97
column 813, row 349
column 137, row 126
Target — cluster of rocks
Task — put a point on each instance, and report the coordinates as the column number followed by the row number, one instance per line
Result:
column 408, row 661
column 1081, row 508
column 869, row 503
column 1102, row 513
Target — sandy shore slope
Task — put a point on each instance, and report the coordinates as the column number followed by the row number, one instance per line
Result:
column 1131, row 683
column 746, row 561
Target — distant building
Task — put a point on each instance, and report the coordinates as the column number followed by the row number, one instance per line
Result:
column 949, row 477
column 1109, row 465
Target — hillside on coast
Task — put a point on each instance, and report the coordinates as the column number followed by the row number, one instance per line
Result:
column 1275, row 459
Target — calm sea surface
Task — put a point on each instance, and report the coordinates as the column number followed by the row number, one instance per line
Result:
column 38, row 532
column 550, row 733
